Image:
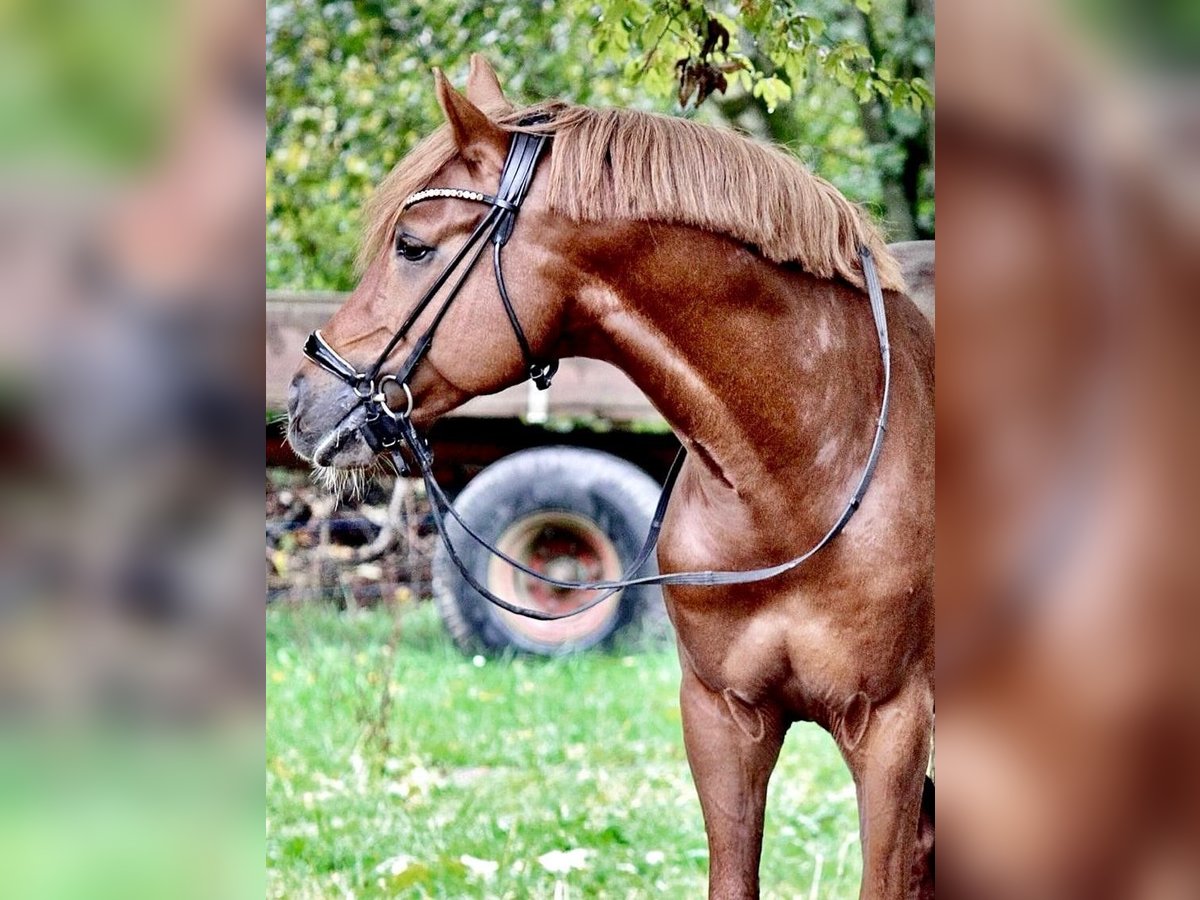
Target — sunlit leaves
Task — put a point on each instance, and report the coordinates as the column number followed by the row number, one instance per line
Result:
column 349, row 91
column 770, row 40
column 773, row 91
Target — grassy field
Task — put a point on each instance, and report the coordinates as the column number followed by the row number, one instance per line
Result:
column 395, row 766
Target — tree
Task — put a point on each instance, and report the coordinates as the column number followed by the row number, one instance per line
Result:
column 349, row 93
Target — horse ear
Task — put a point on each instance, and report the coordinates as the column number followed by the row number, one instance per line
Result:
column 479, row 139
column 483, row 87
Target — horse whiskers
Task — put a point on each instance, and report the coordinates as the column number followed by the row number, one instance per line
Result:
column 350, row 484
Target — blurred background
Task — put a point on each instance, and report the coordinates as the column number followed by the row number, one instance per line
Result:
column 1069, row 204
column 131, row 630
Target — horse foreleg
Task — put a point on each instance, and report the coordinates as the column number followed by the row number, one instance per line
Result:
column 732, row 748
column 887, row 749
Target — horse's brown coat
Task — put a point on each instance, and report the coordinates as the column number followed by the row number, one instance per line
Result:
column 771, row 376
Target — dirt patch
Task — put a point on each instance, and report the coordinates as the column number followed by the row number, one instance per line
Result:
column 344, row 550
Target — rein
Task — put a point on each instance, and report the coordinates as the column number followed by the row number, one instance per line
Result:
column 385, row 429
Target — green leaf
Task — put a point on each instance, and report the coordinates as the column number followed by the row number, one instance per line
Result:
column 773, row 91
column 863, row 88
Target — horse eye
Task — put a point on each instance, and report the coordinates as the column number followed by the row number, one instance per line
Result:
column 410, row 248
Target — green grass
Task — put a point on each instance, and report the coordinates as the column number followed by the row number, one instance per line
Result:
column 490, row 765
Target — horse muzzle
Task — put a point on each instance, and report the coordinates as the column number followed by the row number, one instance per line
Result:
column 324, row 418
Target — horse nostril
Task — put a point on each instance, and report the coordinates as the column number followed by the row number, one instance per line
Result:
column 294, row 393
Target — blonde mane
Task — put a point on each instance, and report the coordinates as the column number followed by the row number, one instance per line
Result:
column 611, row 164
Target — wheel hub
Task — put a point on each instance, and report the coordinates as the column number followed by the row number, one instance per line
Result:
column 564, row 546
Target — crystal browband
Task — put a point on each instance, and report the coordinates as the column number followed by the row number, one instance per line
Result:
column 447, row 194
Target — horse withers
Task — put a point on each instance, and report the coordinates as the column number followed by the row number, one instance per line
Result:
column 727, row 281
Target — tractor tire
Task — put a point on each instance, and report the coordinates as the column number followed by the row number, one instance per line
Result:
column 572, row 513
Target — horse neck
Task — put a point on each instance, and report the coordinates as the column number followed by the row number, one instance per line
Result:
column 769, row 375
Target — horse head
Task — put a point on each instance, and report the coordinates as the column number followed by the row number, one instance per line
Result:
column 484, row 331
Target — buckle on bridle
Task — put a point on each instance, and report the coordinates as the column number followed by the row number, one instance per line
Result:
column 541, row 373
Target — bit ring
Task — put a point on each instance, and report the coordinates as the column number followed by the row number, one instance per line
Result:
column 382, row 401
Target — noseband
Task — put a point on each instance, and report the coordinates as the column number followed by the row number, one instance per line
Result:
column 385, row 429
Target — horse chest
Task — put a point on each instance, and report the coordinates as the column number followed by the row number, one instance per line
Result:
column 808, row 642
column 783, row 648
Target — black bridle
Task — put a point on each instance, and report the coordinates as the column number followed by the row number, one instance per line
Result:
column 385, row 429
column 382, row 428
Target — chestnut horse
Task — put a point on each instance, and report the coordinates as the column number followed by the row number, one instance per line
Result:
column 725, row 280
